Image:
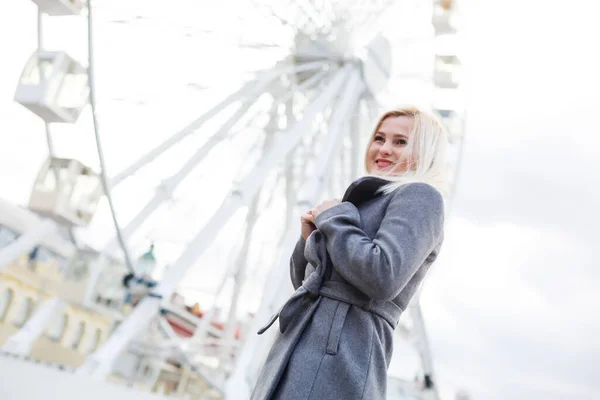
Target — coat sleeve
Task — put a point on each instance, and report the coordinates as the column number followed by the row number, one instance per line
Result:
column 411, row 229
column 298, row 263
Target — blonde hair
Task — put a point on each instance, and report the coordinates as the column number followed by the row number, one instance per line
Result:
column 428, row 144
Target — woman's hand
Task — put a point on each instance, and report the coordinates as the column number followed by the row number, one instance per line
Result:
column 308, row 219
column 308, row 225
column 327, row 204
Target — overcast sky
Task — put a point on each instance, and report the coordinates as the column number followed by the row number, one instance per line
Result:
column 512, row 305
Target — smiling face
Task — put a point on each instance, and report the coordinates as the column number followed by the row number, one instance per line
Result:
column 387, row 154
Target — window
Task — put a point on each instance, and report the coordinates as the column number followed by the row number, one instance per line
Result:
column 6, row 236
column 78, row 335
column 73, row 90
column 46, row 256
column 84, row 187
column 96, row 341
column 36, row 70
column 57, row 328
column 78, row 269
column 24, row 313
column 49, row 183
column 55, row 176
column 5, row 302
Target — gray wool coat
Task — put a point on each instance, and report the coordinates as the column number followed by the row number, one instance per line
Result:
column 353, row 277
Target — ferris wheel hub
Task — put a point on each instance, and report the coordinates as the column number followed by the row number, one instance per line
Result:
column 338, row 46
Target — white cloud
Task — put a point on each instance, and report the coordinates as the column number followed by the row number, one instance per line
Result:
column 488, row 320
column 511, row 305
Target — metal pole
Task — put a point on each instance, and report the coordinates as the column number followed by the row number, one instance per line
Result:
column 239, row 277
column 290, row 171
column 40, row 47
column 421, row 342
column 241, row 264
column 202, row 327
column 458, row 167
column 356, row 125
column 100, row 363
column 104, row 180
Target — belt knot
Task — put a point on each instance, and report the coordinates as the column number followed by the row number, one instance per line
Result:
column 302, row 297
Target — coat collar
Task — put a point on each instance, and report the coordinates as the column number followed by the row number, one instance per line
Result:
column 363, row 189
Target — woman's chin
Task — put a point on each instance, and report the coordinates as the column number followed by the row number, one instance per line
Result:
column 388, row 174
column 381, row 171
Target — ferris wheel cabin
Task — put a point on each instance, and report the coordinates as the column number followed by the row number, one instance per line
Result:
column 446, row 71
column 61, row 7
column 442, row 18
column 66, row 191
column 54, row 86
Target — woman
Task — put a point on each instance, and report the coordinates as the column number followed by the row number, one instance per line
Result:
column 357, row 265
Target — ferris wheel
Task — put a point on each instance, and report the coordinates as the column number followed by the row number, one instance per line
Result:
column 278, row 97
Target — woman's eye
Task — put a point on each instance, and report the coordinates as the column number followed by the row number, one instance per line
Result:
column 402, row 142
column 378, row 139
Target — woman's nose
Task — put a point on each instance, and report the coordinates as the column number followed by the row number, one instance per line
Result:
column 386, row 148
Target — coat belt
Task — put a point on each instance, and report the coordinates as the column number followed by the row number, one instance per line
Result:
column 313, row 288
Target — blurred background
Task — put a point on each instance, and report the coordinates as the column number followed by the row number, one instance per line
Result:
column 155, row 157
